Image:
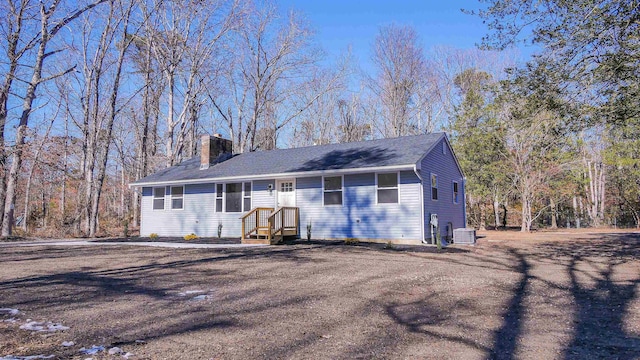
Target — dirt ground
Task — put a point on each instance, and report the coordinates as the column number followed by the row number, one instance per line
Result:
column 562, row 295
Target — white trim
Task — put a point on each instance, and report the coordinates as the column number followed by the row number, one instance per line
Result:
column 164, row 198
column 422, row 220
column 278, row 175
column 464, row 200
column 455, row 158
column 224, row 197
column 171, row 197
column 341, row 190
column 431, row 174
column 244, row 195
column 453, row 192
column 397, row 188
column 216, row 198
column 277, row 185
column 430, row 149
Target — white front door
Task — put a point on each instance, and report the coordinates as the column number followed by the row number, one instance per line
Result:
column 286, row 192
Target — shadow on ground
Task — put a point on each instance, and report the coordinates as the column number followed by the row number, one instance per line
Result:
column 280, row 301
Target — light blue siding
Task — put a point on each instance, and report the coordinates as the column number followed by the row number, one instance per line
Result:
column 198, row 216
column 444, row 166
column 261, row 196
column 360, row 216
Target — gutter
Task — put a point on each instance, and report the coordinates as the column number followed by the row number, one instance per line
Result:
column 464, row 199
column 275, row 176
column 416, row 170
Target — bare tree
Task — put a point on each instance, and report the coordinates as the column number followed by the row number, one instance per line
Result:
column 352, row 122
column 184, row 41
column 446, row 63
column 16, row 43
column 272, row 81
column 36, row 160
column 401, row 73
column 49, row 28
column 593, row 148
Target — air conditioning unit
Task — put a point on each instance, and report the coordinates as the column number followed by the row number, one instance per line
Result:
column 465, row 236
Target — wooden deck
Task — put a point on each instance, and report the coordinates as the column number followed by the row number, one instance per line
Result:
column 269, row 225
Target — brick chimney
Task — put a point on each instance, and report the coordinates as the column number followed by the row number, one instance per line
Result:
column 214, row 149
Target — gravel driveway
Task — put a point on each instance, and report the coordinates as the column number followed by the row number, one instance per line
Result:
column 562, row 296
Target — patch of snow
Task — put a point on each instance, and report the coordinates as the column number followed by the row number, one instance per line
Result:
column 200, row 298
column 10, row 320
column 190, row 292
column 140, row 342
column 12, row 312
column 68, row 343
column 92, row 350
column 115, row 350
column 31, row 357
column 127, row 355
column 42, row 326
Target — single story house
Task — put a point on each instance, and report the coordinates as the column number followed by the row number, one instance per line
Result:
column 378, row 190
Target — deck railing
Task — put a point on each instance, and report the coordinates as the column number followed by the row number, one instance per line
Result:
column 256, row 222
column 270, row 224
column 283, row 222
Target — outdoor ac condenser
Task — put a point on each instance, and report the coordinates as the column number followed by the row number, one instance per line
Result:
column 465, row 236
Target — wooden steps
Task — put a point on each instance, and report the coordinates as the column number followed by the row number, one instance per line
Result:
column 270, row 226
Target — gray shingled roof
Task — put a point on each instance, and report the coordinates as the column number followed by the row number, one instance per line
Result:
column 406, row 150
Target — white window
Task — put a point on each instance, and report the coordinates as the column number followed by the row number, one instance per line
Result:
column 434, row 187
column 158, row 198
column 219, row 197
column 233, row 197
column 387, row 187
column 456, row 193
column 177, row 197
column 286, row 186
column 332, row 190
column 247, row 197
column 444, row 148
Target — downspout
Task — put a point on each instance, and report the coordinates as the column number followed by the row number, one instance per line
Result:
column 464, row 199
column 416, row 170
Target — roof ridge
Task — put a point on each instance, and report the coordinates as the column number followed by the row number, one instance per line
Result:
column 351, row 142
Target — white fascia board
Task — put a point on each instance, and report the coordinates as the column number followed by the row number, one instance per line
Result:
column 277, row 176
column 455, row 158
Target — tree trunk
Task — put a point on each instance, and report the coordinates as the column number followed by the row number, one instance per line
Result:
column 576, row 214
column 170, row 124
column 27, row 104
column 496, row 212
column 483, row 216
column 113, row 111
column 554, row 214
column 63, row 195
column 10, row 200
column 523, row 225
column 504, row 216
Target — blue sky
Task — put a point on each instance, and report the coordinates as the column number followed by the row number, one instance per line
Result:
column 349, row 22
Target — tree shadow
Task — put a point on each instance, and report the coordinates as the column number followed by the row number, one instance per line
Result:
column 601, row 301
column 506, row 337
column 426, row 317
column 600, row 291
column 600, row 305
column 92, row 284
column 348, row 159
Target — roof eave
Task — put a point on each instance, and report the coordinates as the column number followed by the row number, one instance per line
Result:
column 276, row 176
